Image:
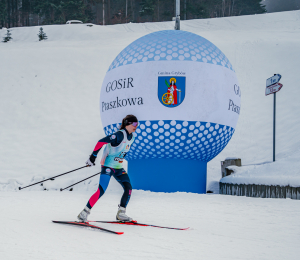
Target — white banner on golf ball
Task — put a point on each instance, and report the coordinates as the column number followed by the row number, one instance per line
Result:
column 170, row 90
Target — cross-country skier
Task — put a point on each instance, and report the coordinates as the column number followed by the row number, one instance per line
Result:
column 117, row 146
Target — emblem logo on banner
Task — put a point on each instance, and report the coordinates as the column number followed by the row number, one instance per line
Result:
column 171, row 91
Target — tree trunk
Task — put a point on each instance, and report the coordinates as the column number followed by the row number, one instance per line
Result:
column 184, row 9
column 223, row 8
column 132, row 10
column 103, row 14
column 12, row 13
column 8, row 13
column 18, row 13
column 126, row 7
column 108, row 12
column 158, row 10
column 15, row 13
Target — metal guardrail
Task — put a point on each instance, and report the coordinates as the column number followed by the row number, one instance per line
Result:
column 260, row 191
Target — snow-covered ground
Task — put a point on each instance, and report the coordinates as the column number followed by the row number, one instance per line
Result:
column 50, row 92
column 221, row 227
column 49, row 124
column 282, row 172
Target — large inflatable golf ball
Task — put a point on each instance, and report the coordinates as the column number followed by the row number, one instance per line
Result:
column 185, row 93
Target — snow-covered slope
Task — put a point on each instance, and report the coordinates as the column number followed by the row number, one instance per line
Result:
column 49, row 123
column 221, row 227
column 49, row 93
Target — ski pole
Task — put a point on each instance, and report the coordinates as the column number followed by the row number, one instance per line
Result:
column 80, row 181
column 52, row 178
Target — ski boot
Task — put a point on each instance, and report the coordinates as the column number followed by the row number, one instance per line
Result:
column 83, row 215
column 121, row 216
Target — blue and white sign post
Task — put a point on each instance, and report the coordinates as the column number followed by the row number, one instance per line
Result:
column 273, row 80
column 273, row 86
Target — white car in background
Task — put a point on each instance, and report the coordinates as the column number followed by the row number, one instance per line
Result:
column 74, row 22
column 78, row 22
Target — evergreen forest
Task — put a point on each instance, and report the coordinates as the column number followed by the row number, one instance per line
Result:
column 16, row 13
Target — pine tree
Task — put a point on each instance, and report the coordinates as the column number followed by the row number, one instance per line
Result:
column 3, row 12
column 42, row 35
column 147, row 7
column 7, row 38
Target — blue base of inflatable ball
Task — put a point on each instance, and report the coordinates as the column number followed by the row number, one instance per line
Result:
column 168, row 175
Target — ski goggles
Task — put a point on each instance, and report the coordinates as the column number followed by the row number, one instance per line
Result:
column 133, row 123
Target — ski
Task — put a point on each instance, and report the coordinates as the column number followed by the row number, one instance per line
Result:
column 84, row 224
column 134, row 223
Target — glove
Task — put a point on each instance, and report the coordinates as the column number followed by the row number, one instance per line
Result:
column 91, row 161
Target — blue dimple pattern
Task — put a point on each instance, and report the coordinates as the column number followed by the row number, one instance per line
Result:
column 171, row 45
column 177, row 139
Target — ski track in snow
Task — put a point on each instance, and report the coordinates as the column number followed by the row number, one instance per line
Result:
column 221, row 227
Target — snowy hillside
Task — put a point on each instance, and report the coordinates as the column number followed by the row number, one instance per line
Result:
column 50, row 122
column 50, row 92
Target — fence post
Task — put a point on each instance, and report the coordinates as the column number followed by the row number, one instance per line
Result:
column 283, row 192
column 236, row 189
column 277, row 191
column 298, row 193
column 258, row 191
column 273, row 191
column 288, row 192
column 263, row 191
column 254, row 190
column 294, row 193
column 243, row 190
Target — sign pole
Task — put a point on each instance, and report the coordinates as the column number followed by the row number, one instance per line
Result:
column 274, row 126
column 273, row 86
